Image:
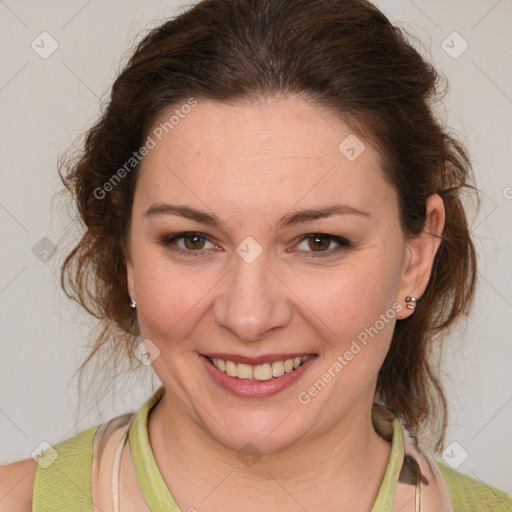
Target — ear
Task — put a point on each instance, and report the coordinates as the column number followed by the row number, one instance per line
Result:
column 130, row 280
column 420, row 253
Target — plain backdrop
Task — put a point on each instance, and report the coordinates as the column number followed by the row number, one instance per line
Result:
column 46, row 102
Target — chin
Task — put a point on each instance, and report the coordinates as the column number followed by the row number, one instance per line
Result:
column 258, row 432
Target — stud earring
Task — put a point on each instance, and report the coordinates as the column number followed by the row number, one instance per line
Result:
column 411, row 302
column 133, row 304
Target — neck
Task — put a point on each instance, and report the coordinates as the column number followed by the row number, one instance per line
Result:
column 349, row 458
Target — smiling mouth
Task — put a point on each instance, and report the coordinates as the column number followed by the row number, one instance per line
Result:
column 261, row 372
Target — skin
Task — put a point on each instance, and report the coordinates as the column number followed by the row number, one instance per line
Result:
column 251, row 164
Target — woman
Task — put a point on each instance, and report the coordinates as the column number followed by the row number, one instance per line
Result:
column 271, row 205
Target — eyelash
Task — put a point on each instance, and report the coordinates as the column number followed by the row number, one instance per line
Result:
column 170, row 241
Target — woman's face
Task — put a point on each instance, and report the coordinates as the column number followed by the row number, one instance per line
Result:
column 247, row 286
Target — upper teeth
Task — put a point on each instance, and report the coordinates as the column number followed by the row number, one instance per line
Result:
column 263, row 371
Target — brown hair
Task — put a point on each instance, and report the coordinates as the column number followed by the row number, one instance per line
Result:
column 342, row 55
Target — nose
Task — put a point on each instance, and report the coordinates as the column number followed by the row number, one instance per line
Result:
column 252, row 300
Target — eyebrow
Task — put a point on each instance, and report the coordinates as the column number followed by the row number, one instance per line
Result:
column 290, row 219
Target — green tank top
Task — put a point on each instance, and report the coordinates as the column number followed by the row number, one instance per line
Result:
column 65, row 484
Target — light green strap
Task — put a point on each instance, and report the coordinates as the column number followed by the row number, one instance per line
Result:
column 65, row 483
column 150, row 481
column 470, row 495
column 386, row 496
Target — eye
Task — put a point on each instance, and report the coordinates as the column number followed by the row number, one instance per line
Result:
column 320, row 243
column 190, row 243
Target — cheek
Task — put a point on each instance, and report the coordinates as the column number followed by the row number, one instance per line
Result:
column 354, row 308
column 351, row 296
column 169, row 297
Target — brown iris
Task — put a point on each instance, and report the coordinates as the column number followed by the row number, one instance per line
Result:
column 196, row 239
column 317, row 242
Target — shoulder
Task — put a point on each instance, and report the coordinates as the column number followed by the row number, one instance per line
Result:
column 16, row 484
column 468, row 494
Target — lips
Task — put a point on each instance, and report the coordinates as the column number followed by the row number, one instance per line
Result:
column 262, row 378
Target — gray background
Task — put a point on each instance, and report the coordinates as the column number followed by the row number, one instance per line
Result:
column 46, row 103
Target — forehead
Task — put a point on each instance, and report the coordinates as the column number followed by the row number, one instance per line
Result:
column 262, row 154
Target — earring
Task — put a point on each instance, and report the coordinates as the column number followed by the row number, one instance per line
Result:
column 411, row 302
column 133, row 304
